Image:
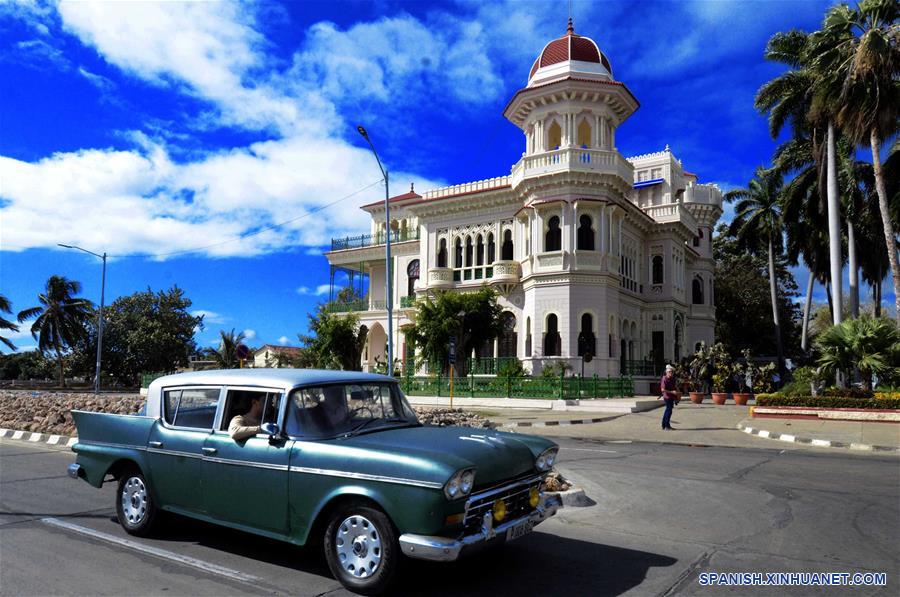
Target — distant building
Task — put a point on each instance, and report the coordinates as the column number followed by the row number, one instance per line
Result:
column 589, row 250
column 271, row 355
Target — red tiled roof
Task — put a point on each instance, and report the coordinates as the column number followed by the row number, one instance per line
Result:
column 403, row 197
column 570, row 47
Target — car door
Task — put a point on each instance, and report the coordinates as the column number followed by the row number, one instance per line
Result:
column 175, row 446
column 246, row 482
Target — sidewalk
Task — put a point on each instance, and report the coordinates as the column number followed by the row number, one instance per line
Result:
column 563, row 407
column 705, row 425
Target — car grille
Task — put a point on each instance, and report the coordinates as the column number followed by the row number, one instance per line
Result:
column 514, row 494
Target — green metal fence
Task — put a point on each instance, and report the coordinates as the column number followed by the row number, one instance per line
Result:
column 552, row 388
column 488, row 365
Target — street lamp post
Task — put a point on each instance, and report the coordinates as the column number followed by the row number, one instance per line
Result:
column 100, row 317
column 387, row 253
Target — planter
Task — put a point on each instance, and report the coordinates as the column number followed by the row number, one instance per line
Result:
column 719, row 397
column 742, row 398
column 697, row 397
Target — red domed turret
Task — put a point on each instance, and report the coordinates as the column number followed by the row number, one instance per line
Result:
column 574, row 48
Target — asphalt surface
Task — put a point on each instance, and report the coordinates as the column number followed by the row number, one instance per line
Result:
column 663, row 515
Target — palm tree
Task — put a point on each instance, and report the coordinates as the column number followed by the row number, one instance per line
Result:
column 795, row 97
column 758, row 220
column 60, row 320
column 871, row 345
column 5, row 307
column 226, row 356
column 859, row 49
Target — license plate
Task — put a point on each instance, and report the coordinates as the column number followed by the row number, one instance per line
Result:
column 523, row 528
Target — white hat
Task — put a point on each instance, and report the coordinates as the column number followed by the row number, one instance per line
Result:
column 670, row 368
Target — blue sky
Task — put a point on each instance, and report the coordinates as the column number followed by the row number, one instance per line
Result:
column 149, row 130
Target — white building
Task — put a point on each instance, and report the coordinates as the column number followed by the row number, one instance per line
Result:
column 589, row 250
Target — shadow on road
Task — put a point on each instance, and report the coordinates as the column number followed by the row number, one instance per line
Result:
column 538, row 563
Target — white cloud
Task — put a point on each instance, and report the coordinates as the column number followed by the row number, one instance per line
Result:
column 283, row 340
column 249, row 334
column 321, row 290
column 211, row 47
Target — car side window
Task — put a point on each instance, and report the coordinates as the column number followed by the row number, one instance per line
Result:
column 194, row 408
column 238, row 402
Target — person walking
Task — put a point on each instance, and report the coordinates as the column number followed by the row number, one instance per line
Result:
column 669, row 392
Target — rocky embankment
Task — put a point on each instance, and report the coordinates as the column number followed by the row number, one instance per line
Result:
column 48, row 412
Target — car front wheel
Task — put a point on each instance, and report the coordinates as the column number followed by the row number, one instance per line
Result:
column 361, row 548
column 134, row 505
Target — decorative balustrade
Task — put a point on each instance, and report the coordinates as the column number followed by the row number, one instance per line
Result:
column 671, row 212
column 440, row 277
column 589, row 160
column 371, row 240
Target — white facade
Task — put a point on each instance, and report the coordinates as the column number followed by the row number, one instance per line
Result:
column 576, row 239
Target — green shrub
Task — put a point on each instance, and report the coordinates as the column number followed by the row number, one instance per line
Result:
column 828, row 402
column 511, row 368
column 848, row 393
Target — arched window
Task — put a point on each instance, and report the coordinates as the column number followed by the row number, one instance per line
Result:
column 585, row 234
column 442, row 253
column 584, row 134
column 697, row 291
column 506, row 341
column 491, row 249
column 457, row 253
column 553, row 239
column 587, row 341
column 554, row 136
column 552, row 340
column 527, row 336
column 506, row 251
column 657, row 269
column 479, row 250
column 412, row 274
column 468, row 251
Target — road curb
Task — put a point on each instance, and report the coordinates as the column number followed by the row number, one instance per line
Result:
column 35, row 437
column 818, row 443
column 559, row 423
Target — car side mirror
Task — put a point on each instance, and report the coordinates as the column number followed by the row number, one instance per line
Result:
column 270, row 429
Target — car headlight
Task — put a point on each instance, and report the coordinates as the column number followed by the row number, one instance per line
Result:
column 460, row 484
column 547, row 459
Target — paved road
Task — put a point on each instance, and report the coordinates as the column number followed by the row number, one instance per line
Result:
column 664, row 514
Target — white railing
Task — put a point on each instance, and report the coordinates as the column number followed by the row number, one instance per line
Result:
column 671, row 212
column 469, row 187
column 583, row 160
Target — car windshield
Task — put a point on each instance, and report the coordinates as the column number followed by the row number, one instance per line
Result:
column 332, row 410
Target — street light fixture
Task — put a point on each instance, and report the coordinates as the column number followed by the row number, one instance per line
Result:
column 387, row 253
column 100, row 317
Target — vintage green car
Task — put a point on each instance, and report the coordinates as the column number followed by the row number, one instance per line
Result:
column 339, row 459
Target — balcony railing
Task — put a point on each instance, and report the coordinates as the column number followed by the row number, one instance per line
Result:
column 371, row 240
column 348, row 306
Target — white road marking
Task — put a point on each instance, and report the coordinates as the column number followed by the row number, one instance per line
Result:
column 589, row 450
column 154, row 551
column 35, row 437
column 53, row 439
column 18, row 434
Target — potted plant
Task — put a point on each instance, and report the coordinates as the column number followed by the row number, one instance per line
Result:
column 719, row 379
column 722, row 370
column 699, row 372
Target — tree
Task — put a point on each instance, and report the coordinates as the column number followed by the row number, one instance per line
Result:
column 868, row 344
column 226, row 356
column 756, row 226
column 858, row 55
column 5, row 307
column 30, row 364
column 743, row 301
column 474, row 318
column 60, row 320
column 146, row 332
column 336, row 342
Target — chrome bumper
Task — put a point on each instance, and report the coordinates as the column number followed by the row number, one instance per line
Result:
column 444, row 549
column 75, row 471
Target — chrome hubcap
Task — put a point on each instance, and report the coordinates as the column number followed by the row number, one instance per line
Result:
column 358, row 546
column 134, row 500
